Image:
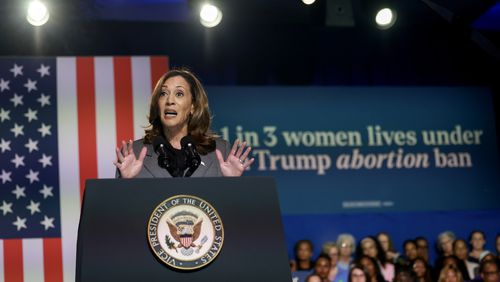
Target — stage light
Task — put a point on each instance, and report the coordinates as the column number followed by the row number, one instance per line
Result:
column 385, row 18
column 210, row 15
column 38, row 14
column 308, row 2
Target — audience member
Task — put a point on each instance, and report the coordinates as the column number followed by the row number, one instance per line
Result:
column 346, row 244
column 385, row 241
column 410, row 249
column 303, row 255
column 371, row 247
column 477, row 240
column 421, row 270
column 460, row 251
column 372, row 268
column 336, row 274
column 404, row 274
column 489, row 272
column 357, row 274
column 450, row 274
column 321, row 269
column 422, row 248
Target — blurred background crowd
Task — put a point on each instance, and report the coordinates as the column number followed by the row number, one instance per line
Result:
column 376, row 259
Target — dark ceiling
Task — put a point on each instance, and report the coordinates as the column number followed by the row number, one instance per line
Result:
column 277, row 41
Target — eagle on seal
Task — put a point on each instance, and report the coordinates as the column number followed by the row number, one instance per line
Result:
column 185, row 228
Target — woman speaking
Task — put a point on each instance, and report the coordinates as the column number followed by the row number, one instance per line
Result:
column 178, row 141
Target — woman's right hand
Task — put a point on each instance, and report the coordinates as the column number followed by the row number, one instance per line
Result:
column 126, row 161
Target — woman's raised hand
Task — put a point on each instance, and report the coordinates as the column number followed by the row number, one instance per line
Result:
column 126, row 161
column 237, row 161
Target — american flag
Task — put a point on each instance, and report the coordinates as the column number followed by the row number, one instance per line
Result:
column 60, row 120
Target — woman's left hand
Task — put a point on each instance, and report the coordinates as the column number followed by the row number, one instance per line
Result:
column 237, row 161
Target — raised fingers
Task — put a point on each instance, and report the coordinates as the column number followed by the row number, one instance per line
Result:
column 130, row 147
column 248, row 163
column 240, row 150
column 119, row 155
column 124, row 149
column 245, row 154
column 234, row 148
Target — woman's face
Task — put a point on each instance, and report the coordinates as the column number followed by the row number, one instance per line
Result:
column 384, row 241
column 322, row 267
column 451, row 276
column 175, row 104
column 419, row 268
column 368, row 265
column 460, row 250
column 450, row 261
column 369, row 248
column 334, row 255
column 422, row 248
column 477, row 241
column 346, row 249
column 446, row 245
column 304, row 252
column 411, row 251
column 357, row 275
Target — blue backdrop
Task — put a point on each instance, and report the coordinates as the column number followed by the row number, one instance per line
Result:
column 407, row 160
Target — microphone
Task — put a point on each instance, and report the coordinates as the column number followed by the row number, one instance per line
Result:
column 166, row 159
column 193, row 159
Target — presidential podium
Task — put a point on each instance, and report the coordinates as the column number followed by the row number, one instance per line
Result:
column 115, row 240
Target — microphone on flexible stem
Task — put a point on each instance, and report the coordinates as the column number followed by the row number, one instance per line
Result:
column 193, row 159
column 165, row 158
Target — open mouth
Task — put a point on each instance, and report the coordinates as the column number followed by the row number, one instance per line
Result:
column 170, row 113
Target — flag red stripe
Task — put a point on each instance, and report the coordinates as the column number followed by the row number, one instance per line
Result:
column 85, row 92
column 13, row 260
column 124, row 110
column 159, row 65
column 52, row 259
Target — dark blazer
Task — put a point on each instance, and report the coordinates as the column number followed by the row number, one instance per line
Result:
column 209, row 166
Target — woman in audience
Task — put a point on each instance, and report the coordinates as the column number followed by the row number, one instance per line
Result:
column 357, row 274
column 460, row 250
column 422, row 248
column 404, row 274
column 410, row 248
column 477, row 240
column 458, row 264
column 444, row 245
column 321, row 269
column 385, row 241
column 450, row 274
column 421, row 270
column 370, row 246
column 372, row 268
column 346, row 244
column 303, row 255
column 336, row 274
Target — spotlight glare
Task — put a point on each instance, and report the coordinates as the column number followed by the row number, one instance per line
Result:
column 210, row 15
column 308, row 2
column 38, row 14
column 385, row 18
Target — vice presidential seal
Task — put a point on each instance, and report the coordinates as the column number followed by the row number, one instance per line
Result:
column 185, row 232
